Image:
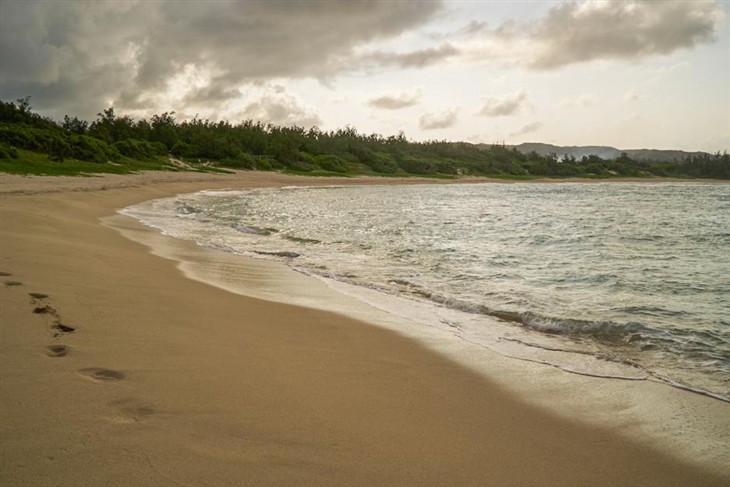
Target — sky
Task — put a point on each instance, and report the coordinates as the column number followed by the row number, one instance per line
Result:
column 629, row 74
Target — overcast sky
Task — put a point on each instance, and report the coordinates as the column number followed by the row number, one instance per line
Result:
column 631, row 74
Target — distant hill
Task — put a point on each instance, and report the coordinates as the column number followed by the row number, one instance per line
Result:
column 604, row 152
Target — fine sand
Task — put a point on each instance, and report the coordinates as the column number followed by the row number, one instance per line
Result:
column 117, row 370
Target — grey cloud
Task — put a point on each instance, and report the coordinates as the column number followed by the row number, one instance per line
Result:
column 71, row 53
column 214, row 93
column 64, row 55
column 432, row 121
column 507, row 30
column 415, row 59
column 505, row 105
column 527, row 129
column 395, row 102
column 473, row 28
column 628, row 30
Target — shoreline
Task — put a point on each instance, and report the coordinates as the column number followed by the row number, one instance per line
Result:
column 31, row 184
column 174, row 379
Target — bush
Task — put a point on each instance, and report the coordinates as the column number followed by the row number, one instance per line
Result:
column 379, row 161
column 58, row 148
column 415, row 165
column 56, row 143
column 7, row 151
column 241, row 161
column 301, row 166
column 85, row 148
column 140, row 149
column 263, row 163
column 330, row 162
column 446, row 167
column 23, row 137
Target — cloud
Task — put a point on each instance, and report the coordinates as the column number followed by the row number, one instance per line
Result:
column 92, row 54
column 505, row 105
column 396, row 101
column 577, row 32
column 415, row 59
column 474, row 28
column 632, row 95
column 527, row 129
column 433, row 121
column 584, row 100
column 274, row 104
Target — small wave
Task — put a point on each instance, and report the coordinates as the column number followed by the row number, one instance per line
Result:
column 252, row 230
column 186, row 209
column 302, row 240
column 606, row 331
column 651, row 310
column 284, row 253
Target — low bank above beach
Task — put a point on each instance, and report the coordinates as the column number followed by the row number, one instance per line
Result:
column 118, row 370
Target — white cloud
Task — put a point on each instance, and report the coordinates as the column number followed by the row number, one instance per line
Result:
column 583, row 100
column 274, row 104
column 632, row 95
column 496, row 106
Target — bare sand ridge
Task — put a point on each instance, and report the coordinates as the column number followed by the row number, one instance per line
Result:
column 117, row 370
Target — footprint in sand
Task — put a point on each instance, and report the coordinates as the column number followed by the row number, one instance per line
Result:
column 40, row 308
column 57, row 350
column 59, row 329
column 12, row 283
column 101, row 375
column 45, row 310
column 5, row 274
column 131, row 411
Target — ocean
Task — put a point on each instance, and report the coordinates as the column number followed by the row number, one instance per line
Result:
column 622, row 280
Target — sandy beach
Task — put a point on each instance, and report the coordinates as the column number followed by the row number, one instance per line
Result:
column 118, row 370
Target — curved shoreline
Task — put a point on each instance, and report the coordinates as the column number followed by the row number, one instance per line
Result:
column 169, row 379
column 278, row 283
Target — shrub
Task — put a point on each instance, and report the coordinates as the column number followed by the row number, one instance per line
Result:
column 90, row 149
column 266, row 163
column 379, row 162
column 140, row 149
column 7, row 151
column 415, row 165
column 330, row 162
column 20, row 136
column 241, row 161
column 301, row 166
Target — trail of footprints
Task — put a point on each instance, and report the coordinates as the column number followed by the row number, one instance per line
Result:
column 129, row 411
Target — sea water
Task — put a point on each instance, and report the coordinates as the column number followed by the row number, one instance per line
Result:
column 626, row 280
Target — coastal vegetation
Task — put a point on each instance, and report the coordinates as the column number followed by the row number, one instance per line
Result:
column 113, row 143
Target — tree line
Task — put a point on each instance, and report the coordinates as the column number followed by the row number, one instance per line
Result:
column 254, row 145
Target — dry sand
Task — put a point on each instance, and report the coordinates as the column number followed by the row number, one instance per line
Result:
column 168, row 381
